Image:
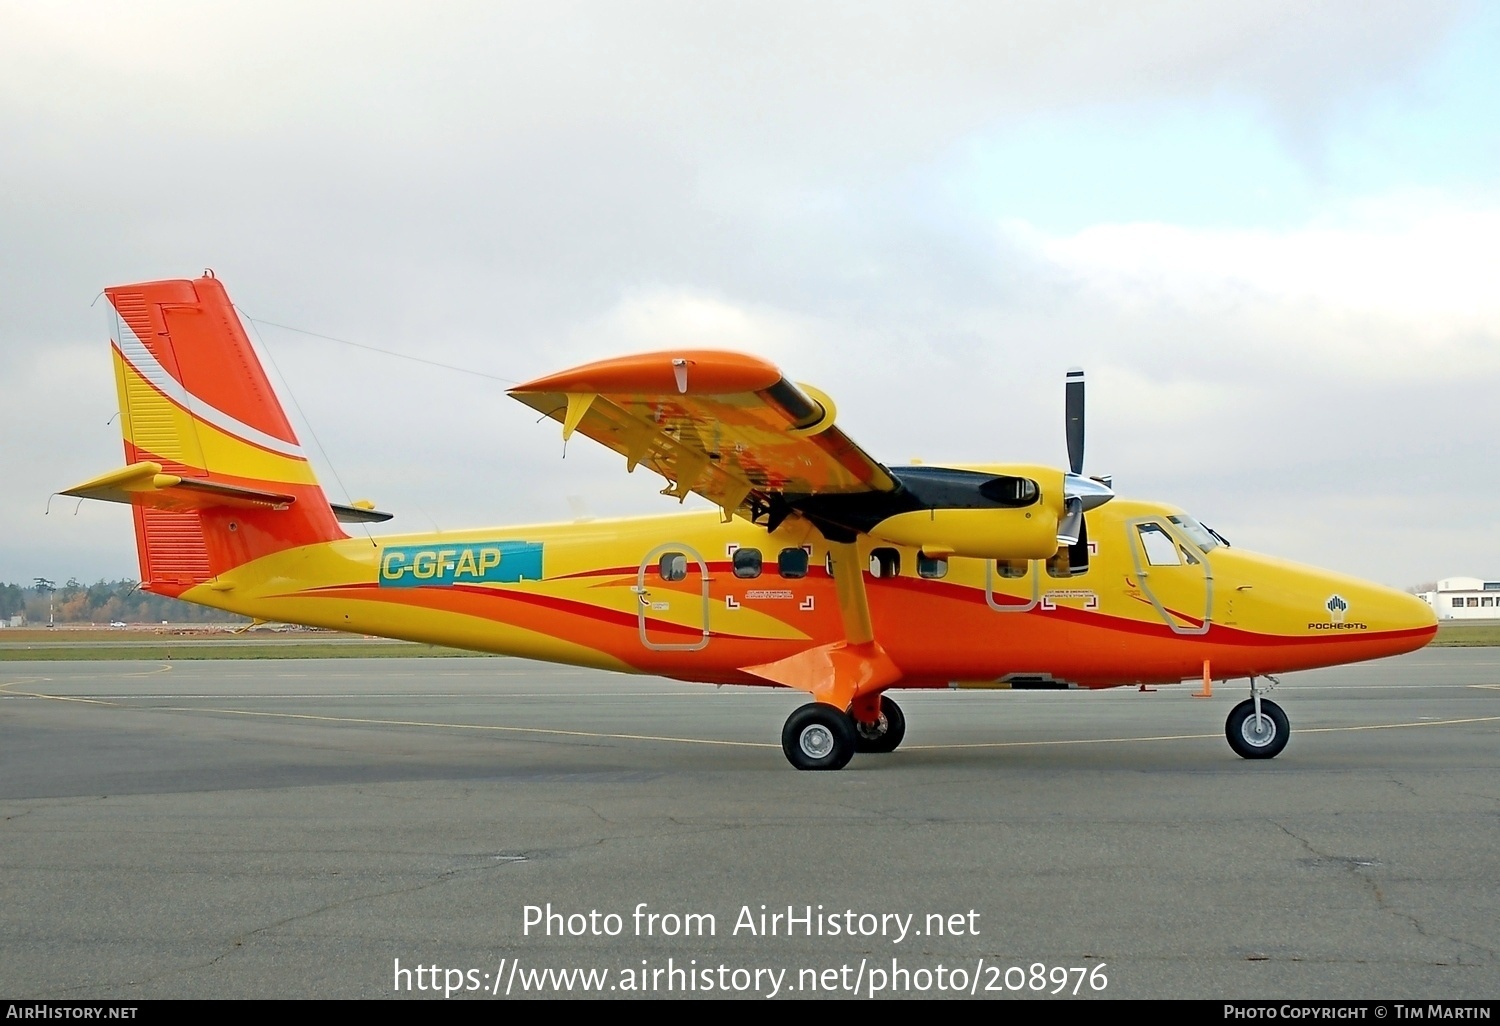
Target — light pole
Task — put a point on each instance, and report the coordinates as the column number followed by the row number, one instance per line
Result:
column 42, row 584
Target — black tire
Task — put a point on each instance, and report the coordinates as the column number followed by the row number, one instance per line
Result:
column 1249, row 742
column 885, row 734
column 818, row 737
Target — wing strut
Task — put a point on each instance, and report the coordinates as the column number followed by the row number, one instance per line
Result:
column 848, row 674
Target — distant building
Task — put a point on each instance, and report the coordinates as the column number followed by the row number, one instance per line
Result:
column 19, row 620
column 1464, row 598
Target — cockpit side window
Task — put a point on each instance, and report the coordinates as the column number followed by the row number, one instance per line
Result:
column 1161, row 550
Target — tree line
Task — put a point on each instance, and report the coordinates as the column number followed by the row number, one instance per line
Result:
column 101, row 602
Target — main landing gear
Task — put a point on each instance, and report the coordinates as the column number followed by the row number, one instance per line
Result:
column 822, row 737
column 1257, row 728
column 885, row 733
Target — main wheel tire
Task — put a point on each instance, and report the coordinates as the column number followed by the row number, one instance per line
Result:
column 818, row 737
column 885, row 734
column 1257, row 740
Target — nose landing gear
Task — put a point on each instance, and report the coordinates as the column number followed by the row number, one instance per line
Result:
column 1257, row 728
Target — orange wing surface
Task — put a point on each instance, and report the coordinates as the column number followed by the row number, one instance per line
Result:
column 726, row 426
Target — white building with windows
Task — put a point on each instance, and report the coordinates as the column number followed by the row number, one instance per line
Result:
column 1464, row 598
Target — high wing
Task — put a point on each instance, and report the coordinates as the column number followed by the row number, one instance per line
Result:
column 726, row 426
column 732, row 429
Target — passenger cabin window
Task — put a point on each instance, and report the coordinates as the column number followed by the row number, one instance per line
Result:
column 932, row 567
column 1071, row 560
column 1012, row 569
column 746, row 562
column 1161, row 550
column 792, row 563
column 673, row 566
column 885, row 563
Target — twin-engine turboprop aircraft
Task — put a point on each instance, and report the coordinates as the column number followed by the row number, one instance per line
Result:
column 822, row 570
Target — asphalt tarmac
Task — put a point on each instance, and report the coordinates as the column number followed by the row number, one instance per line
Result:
column 376, row 828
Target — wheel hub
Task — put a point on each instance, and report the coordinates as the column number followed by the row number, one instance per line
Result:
column 816, row 741
column 871, row 731
column 1258, row 730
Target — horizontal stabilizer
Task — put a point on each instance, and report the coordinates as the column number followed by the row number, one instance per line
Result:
column 144, row 484
column 359, row 513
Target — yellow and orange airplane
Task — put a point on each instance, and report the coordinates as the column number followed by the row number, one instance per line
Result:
column 822, row 569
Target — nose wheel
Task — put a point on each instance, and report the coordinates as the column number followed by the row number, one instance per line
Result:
column 1257, row 733
column 818, row 737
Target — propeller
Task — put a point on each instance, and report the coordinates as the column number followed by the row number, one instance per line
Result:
column 1073, row 399
column 1080, row 493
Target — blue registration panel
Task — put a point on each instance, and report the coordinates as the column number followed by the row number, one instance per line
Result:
column 423, row 566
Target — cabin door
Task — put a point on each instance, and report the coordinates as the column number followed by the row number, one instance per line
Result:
column 1173, row 574
column 671, row 587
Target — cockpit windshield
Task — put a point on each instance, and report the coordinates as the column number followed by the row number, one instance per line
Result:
column 1196, row 532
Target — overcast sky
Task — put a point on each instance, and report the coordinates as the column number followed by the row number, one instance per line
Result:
column 1269, row 230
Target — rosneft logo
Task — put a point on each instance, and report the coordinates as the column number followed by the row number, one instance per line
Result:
column 1338, row 610
column 501, row 562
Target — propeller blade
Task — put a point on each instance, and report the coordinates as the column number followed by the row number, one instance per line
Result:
column 1073, row 396
column 1071, row 525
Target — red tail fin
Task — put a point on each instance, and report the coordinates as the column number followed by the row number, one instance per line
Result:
column 195, row 400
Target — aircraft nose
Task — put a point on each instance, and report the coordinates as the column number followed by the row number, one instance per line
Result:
column 1395, row 620
column 1418, row 614
column 1407, row 612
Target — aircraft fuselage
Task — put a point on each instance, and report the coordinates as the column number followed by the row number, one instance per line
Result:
column 666, row 595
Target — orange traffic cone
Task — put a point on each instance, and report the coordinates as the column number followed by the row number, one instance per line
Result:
column 1208, row 683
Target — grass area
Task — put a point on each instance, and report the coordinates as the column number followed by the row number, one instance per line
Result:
column 167, row 645
column 1467, row 635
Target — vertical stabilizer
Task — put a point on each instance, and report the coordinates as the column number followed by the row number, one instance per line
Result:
column 195, row 399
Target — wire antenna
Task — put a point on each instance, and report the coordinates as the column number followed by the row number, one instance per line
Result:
column 384, row 352
column 348, row 496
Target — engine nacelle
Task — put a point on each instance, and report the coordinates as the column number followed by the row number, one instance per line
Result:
column 988, row 531
column 980, row 533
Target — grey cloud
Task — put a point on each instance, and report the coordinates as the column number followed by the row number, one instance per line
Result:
column 490, row 184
